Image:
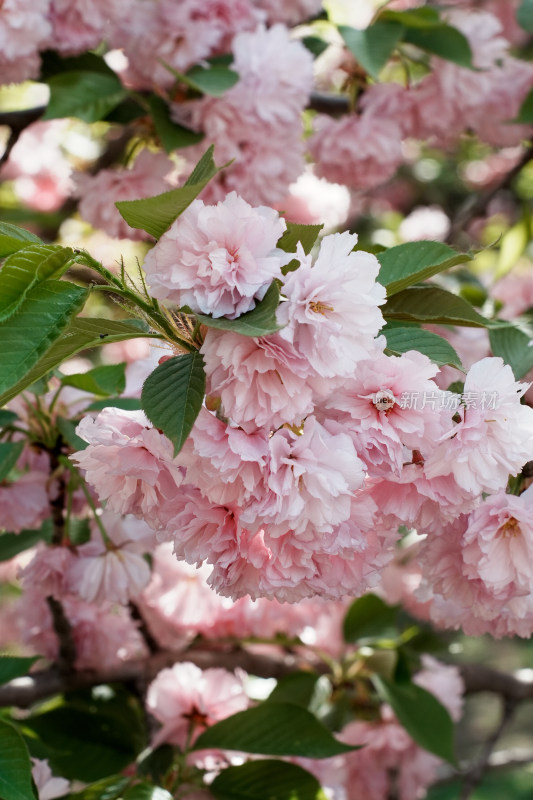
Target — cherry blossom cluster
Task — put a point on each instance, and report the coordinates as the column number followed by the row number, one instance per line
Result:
column 305, row 460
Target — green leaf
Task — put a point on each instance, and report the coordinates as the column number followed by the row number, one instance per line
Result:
column 512, row 345
column 421, row 714
column 13, row 238
column 156, row 214
column 171, row 134
column 26, row 336
column 9, row 455
column 432, row 304
column 369, row 618
column 146, row 791
column 127, row 403
column 444, row 41
column 154, row 764
column 53, row 64
column 105, row 380
column 400, row 340
column 24, row 268
column 413, row 18
column 372, row 46
column 413, row 262
column 305, row 234
column 524, row 15
column 67, row 429
column 15, row 765
column 107, row 789
column 82, row 334
column 173, row 394
column 266, row 780
column 15, row 666
column 79, row 530
column 11, row 544
column 212, row 80
column 84, row 94
column 525, row 114
column 91, row 736
column 7, row 418
column 315, row 45
column 297, row 688
column 273, row 729
column 260, row 321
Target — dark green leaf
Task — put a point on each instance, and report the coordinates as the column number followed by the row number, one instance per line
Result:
column 87, row 95
column 127, row 111
column 400, row 340
column 442, row 40
column 524, row 15
column 173, row 394
column 107, row 789
column 266, row 780
column 315, row 45
column 93, row 735
column 211, row 80
column 105, row 380
column 171, row 134
column 24, row 268
column 372, row 46
column 156, row 214
column 127, row 403
column 432, row 304
column 7, row 418
column 52, row 64
column 413, row 18
column 82, row 333
column 11, row 544
column 369, row 617
column 260, row 321
column 26, row 336
column 422, row 716
column 67, row 428
column 413, row 262
column 15, row 666
column 15, row 765
column 525, row 114
column 13, row 238
column 146, row 791
column 154, row 764
column 273, row 729
column 9, row 455
column 297, row 688
column 305, row 234
column 79, row 530
column 512, row 345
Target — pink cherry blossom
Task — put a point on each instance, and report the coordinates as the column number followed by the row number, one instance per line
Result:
column 129, row 463
column 83, row 24
column 261, row 382
column 186, row 699
column 24, row 503
column 218, row 260
column 331, row 315
column 100, row 192
column 360, row 151
column 24, row 30
column 494, row 436
column 291, row 12
column 48, row 786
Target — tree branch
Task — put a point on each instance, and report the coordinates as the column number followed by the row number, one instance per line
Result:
column 16, row 121
column 24, row 692
column 327, row 103
column 478, row 678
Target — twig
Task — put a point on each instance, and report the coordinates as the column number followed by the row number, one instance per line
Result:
column 24, row 692
column 63, row 629
column 499, row 761
column 478, row 678
column 475, row 206
column 327, row 103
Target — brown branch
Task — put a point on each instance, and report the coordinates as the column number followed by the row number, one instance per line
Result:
column 327, row 103
column 478, row 678
column 476, row 205
column 474, row 776
column 501, row 760
column 63, row 630
column 24, row 692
